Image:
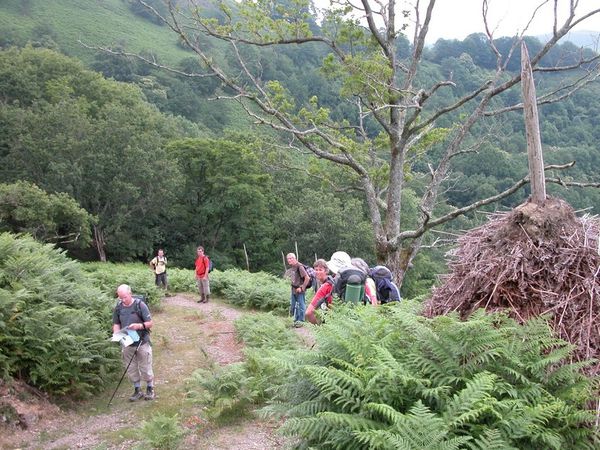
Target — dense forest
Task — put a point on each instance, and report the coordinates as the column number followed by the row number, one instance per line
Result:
column 110, row 157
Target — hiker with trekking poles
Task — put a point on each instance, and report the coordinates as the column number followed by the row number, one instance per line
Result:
column 131, row 320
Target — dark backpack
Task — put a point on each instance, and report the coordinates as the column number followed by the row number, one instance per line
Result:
column 312, row 276
column 210, row 265
column 350, row 284
column 387, row 291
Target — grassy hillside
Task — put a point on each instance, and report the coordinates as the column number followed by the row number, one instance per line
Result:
column 95, row 22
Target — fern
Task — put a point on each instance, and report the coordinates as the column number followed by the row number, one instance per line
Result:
column 425, row 383
column 490, row 440
column 468, row 404
column 52, row 321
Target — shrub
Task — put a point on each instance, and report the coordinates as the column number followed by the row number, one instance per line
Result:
column 388, row 378
column 252, row 290
column 162, row 432
column 54, row 324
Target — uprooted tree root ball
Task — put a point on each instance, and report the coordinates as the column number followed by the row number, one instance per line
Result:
column 534, row 260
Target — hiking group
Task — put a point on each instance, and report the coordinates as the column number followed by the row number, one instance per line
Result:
column 351, row 281
column 132, row 323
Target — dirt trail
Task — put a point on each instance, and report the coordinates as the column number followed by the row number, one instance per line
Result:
column 51, row 428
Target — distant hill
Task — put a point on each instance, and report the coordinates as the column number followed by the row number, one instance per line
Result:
column 95, row 22
column 587, row 38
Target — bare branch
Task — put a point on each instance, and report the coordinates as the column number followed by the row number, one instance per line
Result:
column 427, row 223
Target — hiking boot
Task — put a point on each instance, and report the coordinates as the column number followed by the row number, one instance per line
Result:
column 137, row 395
column 297, row 324
column 149, row 393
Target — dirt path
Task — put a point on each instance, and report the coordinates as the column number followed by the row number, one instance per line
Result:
column 186, row 335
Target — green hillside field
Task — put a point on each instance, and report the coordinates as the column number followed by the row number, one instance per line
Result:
column 94, row 22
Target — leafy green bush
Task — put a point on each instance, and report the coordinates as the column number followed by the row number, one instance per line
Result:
column 162, row 432
column 388, row 378
column 252, row 290
column 54, row 324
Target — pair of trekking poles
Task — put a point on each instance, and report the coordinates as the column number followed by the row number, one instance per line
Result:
column 123, row 376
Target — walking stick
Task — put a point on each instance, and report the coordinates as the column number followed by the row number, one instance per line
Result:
column 123, row 376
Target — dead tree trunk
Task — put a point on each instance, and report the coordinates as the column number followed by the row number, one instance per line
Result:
column 532, row 130
column 99, row 243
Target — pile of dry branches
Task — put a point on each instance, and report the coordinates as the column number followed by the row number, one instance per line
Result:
column 534, row 260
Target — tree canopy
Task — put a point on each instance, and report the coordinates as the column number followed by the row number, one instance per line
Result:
column 55, row 218
column 67, row 129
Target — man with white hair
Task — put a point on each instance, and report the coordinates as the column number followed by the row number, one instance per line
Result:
column 133, row 314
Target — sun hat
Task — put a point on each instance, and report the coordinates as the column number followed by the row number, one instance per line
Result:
column 339, row 260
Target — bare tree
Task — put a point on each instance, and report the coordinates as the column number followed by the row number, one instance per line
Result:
column 362, row 38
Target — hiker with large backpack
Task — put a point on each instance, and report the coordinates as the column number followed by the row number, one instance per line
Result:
column 300, row 281
column 370, row 289
column 324, row 295
column 133, row 315
column 158, row 264
column 203, row 267
column 350, row 282
column 387, row 291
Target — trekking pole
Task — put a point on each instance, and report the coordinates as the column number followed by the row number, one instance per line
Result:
column 123, row 376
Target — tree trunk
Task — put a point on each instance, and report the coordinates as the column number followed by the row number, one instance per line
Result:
column 532, row 130
column 99, row 243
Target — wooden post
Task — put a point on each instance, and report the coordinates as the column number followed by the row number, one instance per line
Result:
column 532, row 130
column 247, row 261
column 297, row 255
column 283, row 257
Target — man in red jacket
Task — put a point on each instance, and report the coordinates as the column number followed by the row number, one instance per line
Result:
column 202, row 268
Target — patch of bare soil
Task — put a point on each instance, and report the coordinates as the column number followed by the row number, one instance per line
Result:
column 38, row 424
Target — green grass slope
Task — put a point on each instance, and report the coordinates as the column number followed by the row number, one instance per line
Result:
column 95, row 22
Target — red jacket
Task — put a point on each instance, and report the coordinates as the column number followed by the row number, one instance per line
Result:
column 202, row 266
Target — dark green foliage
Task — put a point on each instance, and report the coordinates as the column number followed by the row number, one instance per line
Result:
column 159, row 6
column 388, row 378
column 109, row 154
column 54, row 325
column 226, row 201
column 55, row 218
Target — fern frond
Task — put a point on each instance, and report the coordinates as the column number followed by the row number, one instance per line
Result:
column 490, row 440
column 309, row 408
column 469, row 403
column 337, row 386
column 385, row 411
